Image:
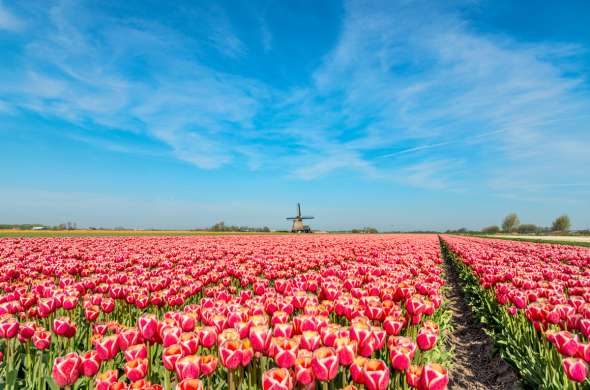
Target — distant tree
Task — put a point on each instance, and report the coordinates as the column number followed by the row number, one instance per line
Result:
column 491, row 229
column 527, row 228
column 561, row 224
column 510, row 222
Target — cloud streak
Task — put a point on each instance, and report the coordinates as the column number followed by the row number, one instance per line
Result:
column 389, row 101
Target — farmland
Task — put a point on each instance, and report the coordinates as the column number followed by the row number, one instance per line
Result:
column 289, row 311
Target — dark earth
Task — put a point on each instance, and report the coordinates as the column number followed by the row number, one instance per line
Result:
column 474, row 365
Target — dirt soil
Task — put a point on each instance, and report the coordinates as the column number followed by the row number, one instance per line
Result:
column 474, row 365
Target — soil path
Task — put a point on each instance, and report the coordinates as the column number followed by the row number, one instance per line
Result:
column 474, row 365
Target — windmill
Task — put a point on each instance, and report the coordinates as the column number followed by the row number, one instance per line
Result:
column 298, row 226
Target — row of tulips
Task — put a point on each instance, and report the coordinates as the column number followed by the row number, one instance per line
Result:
column 534, row 299
column 257, row 312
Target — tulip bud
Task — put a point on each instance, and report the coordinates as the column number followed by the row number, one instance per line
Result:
column 63, row 326
column 107, row 347
column 170, row 356
column 147, row 325
column 375, row 375
column 575, row 369
column 230, row 354
column 285, row 352
column 260, row 338
column 104, row 380
column 207, row 364
column 434, row 377
column 136, row 369
column 425, row 339
column 277, row 379
column 42, row 339
column 89, row 363
column 324, row 363
column 137, row 351
column 66, row 369
column 187, row 367
column 190, row 384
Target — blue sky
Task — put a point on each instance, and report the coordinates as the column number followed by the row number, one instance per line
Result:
column 393, row 114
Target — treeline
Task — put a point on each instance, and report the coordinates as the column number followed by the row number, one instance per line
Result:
column 511, row 224
column 222, row 227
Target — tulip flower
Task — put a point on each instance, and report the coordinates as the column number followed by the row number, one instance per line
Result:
column 230, row 354
column 260, row 338
column 207, row 364
column 41, row 339
column 170, row 356
column 89, row 363
column 277, row 379
column 190, row 384
column 107, row 347
column 66, row 369
column 434, row 377
column 137, row 351
column 188, row 367
column 303, row 370
column 285, row 352
column 64, row 327
column 104, row 380
column 324, row 363
column 147, row 325
column 375, row 375
column 413, row 376
column 575, row 369
column 136, row 369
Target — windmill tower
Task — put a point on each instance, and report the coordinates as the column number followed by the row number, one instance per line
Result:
column 298, row 226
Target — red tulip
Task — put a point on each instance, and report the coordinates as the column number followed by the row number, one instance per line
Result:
column 434, row 377
column 324, row 363
column 187, row 367
column 346, row 350
column 63, row 326
column 277, row 379
column 66, row 369
column 128, row 337
column 400, row 357
column 285, row 352
column 413, row 375
column 171, row 355
column 207, row 336
column 137, row 351
column 356, row 370
column 260, row 338
column 107, row 347
column 104, row 380
column 207, row 364
column 89, row 363
column 375, row 375
column 147, row 325
column 190, row 384
column 425, row 339
column 575, row 369
column 189, row 342
column 42, row 339
column 310, row 340
column 136, row 369
column 303, row 370
column 230, row 354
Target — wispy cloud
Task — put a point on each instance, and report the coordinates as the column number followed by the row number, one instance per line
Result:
column 8, row 20
column 437, row 105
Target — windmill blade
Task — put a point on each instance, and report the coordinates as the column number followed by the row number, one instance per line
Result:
column 292, row 218
column 306, row 217
column 298, row 210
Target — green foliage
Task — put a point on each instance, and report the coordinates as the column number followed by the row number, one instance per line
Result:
column 221, row 227
column 528, row 228
column 491, row 229
column 510, row 223
column 561, row 224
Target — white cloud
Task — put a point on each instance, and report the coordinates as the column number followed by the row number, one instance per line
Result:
column 8, row 21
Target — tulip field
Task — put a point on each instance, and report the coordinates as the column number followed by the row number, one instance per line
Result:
column 280, row 312
column 535, row 302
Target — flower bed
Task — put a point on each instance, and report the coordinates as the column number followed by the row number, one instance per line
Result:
column 270, row 312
